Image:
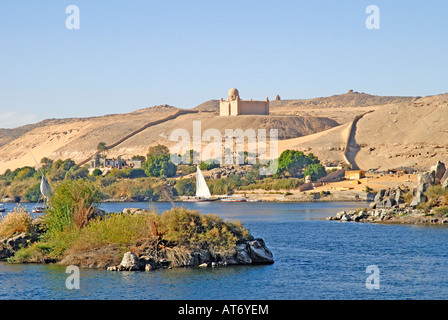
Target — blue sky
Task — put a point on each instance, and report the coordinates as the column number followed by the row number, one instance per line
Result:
column 135, row 54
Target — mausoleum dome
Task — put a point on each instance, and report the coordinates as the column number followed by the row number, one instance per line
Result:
column 233, row 94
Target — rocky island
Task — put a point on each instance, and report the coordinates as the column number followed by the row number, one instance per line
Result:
column 425, row 204
column 75, row 232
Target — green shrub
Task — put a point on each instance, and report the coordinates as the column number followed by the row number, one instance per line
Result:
column 291, row 162
column 316, row 171
column 159, row 166
column 181, row 226
column 97, row 173
column 121, row 229
column 33, row 193
column 72, row 203
column 186, row 169
column 186, row 187
column 441, row 211
column 208, row 165
column 408, row 196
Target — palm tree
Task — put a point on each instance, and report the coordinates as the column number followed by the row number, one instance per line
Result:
column 102, row 148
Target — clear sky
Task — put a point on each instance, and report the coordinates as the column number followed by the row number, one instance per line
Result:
column 135, row 54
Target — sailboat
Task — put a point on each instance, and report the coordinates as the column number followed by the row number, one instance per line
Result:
column 46, row 192
column 202, row 191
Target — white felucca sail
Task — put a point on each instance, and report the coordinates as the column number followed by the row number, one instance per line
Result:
column 45, row 187
column 45, row 190
column 202, row 190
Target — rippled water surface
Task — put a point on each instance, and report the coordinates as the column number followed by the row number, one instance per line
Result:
column 315, row 259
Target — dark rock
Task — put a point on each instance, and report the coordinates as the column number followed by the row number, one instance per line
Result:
column 164, row 263
column 419, row 196
column 5, row 252
column 259, row 253
column 444, row 180
column 379, row 196
column 425, row 178
column 242, row 254
column 18, row 241
column 437, row 172
column 130, row 262
column 398, row 196
column 387, row 203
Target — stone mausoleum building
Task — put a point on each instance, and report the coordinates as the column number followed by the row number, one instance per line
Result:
column 234, row 106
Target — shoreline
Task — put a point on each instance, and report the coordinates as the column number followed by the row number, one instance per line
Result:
column 394, row 216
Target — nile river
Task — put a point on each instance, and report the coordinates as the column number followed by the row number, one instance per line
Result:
column 314, row 259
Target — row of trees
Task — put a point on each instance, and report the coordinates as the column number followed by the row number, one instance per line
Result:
column 292, row 166
column 291, row 163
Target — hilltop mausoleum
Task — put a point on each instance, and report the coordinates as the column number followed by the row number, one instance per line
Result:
column 234, row 106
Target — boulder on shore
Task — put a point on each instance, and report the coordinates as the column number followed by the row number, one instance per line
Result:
column 248, row 253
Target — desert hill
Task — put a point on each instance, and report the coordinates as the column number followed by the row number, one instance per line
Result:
column 389, row 132
column 132, row 133
column 341, row 108
column 52, row 138
column 406, row 134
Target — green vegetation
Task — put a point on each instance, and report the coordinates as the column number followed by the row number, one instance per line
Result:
column 437, row 199
column 32, row 194
column 102, row 148
column 72, row 204
column 208, row 165
column 158, row 163
column 157, row 150
column 185, row 169
column 139, row 184
column 159, row 166
column 186, row 187
column 97, row 173
column 295, row 163
column 408, row 196
column 186, row 227
column 71, row 229
column 315, row 171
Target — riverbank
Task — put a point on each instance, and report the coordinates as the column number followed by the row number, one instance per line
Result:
column 285, row 196
column 392, row 216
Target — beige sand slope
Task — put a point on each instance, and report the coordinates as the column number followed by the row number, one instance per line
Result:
column 408, row 134
column 78, row 138
column 74, row 138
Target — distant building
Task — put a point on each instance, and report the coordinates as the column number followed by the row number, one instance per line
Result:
column 234, row 106
column 354, row 174
column 99, row 162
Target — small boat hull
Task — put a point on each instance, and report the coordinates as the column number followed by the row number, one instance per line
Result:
column 234, row 200
column 199, row 200
column 39, row 209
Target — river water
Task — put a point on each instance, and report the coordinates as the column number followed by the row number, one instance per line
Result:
column 314, row 259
